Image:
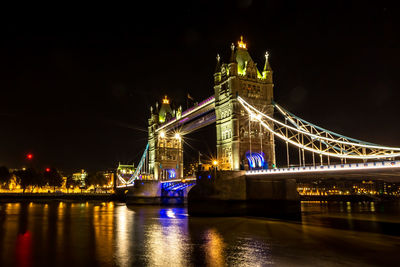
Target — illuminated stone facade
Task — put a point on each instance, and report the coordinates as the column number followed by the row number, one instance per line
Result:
column 236, row 134
column 165, row 148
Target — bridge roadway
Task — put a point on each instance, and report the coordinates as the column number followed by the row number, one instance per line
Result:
column 386, row 170
column 183, row 180
column 193, row 118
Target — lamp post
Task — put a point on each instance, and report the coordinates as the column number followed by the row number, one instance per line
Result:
column 215, row 163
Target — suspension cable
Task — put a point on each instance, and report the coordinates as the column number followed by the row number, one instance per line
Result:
column 251, row 110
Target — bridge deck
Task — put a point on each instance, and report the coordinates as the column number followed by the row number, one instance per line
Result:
column 179, row 180
column 387, row 170
column 193, row 118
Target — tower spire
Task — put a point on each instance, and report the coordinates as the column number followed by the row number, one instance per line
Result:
column 217, row 73
column 267, row 67
column 242, row 44
column 218, row 66
column 232, row 58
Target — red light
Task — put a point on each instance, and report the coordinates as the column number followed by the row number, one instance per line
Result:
column 47, row 169
column 29, row 156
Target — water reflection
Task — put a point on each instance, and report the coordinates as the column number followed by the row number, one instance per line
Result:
column 123, row 233
column 103, row 220
column 214, row 248
column 112, row 234
column 361, row 216
column 160, row 237
column 24, row 249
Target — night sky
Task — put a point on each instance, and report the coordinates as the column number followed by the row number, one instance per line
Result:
column 77, row 82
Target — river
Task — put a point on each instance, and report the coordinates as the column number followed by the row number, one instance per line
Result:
column 93, row 233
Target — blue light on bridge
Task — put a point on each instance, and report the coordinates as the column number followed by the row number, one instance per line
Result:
column 256, row 160
column 175, row 186
column 171, row 173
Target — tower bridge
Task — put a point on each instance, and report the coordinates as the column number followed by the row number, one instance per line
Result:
column 247, row 122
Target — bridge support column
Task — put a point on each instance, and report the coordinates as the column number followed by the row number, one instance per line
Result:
column 144, row 192
column 232, row 193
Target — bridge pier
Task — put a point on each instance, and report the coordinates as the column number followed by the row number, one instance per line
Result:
column 144, row 192
column 232, row 193
column 149, row 192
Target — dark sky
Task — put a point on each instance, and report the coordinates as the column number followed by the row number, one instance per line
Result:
column 76, row 82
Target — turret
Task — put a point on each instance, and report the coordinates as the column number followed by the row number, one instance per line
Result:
column 242, row 57
column 232, row 66
column 165, row 110
column 232, row 58
column 267, row 71
column 217, row 73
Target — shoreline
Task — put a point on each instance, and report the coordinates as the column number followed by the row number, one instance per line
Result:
column 350, row 198
column 58, row 196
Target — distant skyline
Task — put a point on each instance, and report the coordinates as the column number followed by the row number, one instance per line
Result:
column 76, row 86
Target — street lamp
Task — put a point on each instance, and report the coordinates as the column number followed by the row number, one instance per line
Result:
column 162, row 134
column 215, row 163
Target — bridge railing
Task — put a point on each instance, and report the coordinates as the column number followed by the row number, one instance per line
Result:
column 335, row 167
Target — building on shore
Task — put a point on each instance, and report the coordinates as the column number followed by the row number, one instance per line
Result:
column 326, row 187
column 79, row 177
column 109, row 174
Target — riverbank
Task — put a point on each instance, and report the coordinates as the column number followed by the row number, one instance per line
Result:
column 350, row 198
column 6, row 197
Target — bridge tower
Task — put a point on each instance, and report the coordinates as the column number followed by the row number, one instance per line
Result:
column 238, row 136
column 165, row 148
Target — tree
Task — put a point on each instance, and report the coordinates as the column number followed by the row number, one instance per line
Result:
column 29, row 177
column 96, row 179
column 53, row 178
column 5, row 175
